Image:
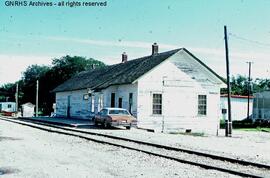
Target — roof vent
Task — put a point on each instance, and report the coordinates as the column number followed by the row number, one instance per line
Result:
column 154, row 48
column 124, row 57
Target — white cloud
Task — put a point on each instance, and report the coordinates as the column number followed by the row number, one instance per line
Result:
column 146, row 45
column 132, row 44
column 11, row 67
column 216, row 59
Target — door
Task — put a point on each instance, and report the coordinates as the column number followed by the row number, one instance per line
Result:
column 120, row 103
column 101, row 116
column 112, row 100
column 68, row 106
column 130, row 101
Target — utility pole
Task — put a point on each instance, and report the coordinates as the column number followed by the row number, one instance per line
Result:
column 249, row 79
column 16, row 97
column 228, row 125
column 37, row 99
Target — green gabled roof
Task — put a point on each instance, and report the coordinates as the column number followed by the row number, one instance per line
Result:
column 122, row 73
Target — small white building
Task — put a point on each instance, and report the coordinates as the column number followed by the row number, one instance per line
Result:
column 7, row 106
column 165, row 91
column 261, row 106
column 28, row 110
column 239, row 105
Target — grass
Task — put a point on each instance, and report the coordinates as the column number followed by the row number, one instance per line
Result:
column 257, row 129
column 196, row 134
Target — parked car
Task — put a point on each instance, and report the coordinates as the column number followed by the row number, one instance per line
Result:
column 115, row 117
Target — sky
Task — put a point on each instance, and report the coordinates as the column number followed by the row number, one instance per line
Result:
column 36, row 35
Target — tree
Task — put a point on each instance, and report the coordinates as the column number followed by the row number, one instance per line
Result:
column 27, row 86
column 67, row 66
column 261, row 84
column 239, row 85
column 49, row 78
column 7, row 92
column 62, row 69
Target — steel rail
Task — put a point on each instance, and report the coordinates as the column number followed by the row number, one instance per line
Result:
column 205, row 166
column 231, row 160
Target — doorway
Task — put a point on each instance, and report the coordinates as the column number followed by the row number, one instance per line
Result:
column 120, row 102
column 68, row 106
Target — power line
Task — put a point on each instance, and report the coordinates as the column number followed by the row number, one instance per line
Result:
column 250, row 41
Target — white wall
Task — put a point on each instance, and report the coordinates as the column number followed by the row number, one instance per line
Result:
column 179, row 90
column 28, row 111
column 4, row 106
column 238, row 106
column 79, row 108
column 180, row 101
column 123, row 92
column 261, row 105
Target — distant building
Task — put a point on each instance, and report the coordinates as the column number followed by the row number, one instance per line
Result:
column 7, row 106
column 28, row 110
column 239, row 106
column 164, row 91
column 261, row 106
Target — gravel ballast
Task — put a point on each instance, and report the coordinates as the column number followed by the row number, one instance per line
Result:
column 249, row 146
column 35, row 153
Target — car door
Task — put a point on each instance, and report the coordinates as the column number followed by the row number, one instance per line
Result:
column 99, row 116
column 103, row 115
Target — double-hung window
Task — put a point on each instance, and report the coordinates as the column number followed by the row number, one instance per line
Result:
column 157, row 104
column 202, row 105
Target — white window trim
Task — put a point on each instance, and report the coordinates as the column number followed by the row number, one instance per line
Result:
column 151, row 100
column 201, row 115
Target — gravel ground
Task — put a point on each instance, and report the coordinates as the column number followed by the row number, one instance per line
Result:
column 28, row 152
column 250, row 146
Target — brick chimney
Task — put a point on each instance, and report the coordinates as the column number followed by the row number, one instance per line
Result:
column 124, row 57
column 154, row 48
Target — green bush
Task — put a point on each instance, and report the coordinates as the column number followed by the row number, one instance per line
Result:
column 247, row 123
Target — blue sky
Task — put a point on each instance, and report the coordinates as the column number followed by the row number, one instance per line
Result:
column 35, row 35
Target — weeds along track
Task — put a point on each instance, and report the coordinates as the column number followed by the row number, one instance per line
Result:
column 203, row 160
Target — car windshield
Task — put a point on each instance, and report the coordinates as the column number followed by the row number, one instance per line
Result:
column 119, row 112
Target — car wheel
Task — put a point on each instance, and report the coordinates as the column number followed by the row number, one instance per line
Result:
column 106, row 125
column 128, row 127
column 95, row 122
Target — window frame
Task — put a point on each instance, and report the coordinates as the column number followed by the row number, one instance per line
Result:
column 202, row 105
column 157, row 111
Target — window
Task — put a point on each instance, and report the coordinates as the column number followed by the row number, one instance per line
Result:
column 120, row 102
column 118, row 112
column 113, row 100
column 9, row 105
column 202, row 103
column 103, row 112
column 157, row 104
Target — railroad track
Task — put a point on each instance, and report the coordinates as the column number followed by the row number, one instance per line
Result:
column 204, row 160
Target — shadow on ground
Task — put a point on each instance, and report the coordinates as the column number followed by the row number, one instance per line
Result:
column 7, row 171
column 9, row 138
column 92, row 127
